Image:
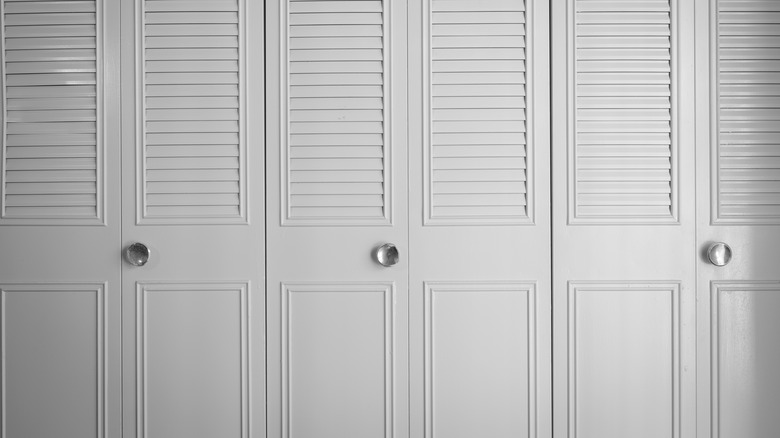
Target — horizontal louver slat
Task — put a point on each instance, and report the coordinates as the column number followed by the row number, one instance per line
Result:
column 624, row 114
column 336, row 157
column 749, row 115
column 193, row 152
column 51, row 131
column 477, row 119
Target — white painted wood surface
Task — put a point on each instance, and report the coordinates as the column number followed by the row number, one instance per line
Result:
column 424, row 124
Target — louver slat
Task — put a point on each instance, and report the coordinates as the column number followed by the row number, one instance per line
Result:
column 193, row 150
column 749, row 119
column 624, row 147
column 336, row 167
column 51, row 132
column 478, row 144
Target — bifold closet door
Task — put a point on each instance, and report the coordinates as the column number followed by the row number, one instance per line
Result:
column 336, row 169
column 193, row 195
column 624, row 217
column 738, row 158
column 479, row 219
column 60, row 219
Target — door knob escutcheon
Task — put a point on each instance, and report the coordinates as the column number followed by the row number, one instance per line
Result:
column 386, row 255
column 137, row 254
column 719, row 254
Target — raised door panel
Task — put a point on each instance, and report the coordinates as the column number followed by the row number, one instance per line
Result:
column 345, row 332
column 192, row 360
column 54, row 360
column 624, row 360
column 745, row 358
column 480, row 359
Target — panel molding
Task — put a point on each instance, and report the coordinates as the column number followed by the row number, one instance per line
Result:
column 716, row 289
column 432, row 288
column 737, row 197
column 97, row 288
column 577, row 287
column 75, row 171
column 388, row 290
column 143, row 289
column 201, row 202
column 615, row 196
column 497, row 159
column 347, row 205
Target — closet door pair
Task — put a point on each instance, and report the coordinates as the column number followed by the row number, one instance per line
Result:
column 408, row 228
column 665, row 182
column 168, row 339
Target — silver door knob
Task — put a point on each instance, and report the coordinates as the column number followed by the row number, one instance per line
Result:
column 719, row 254
column 137, row 254
column 386, row 255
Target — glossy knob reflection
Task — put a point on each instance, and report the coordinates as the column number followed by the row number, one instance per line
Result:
column 386, row 255
column 719, row 254
column 137, row 254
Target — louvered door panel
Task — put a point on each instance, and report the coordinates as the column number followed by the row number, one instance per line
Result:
column 748, row 124
column 193, row 155
column 622, row 147
column 52, row 135
column 478, row 149
column 335, row 147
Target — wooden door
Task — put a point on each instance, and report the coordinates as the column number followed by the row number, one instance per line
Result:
column 193, row 329
column 336, row 166
column 60, row 220
column 479, row 219
column 738, row 183
column 624, row 219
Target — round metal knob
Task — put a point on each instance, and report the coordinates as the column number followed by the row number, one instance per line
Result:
column 137, row 254
column 719, row 254
column 386, row 255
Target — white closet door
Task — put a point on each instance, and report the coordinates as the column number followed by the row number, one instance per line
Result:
column 336, row 166
column 59, row 219
column 479, row 224
column 738, row 150
column 624, row 200
column 193, row 329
